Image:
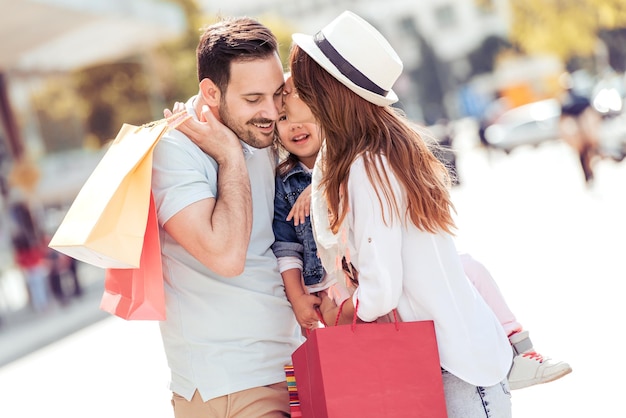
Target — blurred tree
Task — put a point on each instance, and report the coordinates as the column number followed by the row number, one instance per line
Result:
column 615, row 40
column 114, row 93
column 100, row 98
column 485, row 6
column 175, row 61
column 283, row 30
column 180, row 54
column 566, row 28
column 87, row 107
column 60, row 110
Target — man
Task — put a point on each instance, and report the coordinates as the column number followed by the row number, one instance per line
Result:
column 229, row 329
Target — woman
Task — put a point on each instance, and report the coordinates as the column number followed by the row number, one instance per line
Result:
column 380, row 195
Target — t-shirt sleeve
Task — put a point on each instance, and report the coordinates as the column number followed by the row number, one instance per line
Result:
column 181, row 175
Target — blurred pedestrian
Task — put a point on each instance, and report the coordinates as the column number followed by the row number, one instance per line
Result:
column 30, row 250
column 71, row 266
column 63, row 276
column 30, row 258
column 579, row 127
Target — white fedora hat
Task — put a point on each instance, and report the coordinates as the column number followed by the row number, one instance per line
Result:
column 357, row 55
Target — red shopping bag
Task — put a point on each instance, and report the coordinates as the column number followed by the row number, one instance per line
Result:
column 138, row 293
column 370, row 370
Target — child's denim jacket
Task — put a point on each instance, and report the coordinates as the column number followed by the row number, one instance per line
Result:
column 290, row 240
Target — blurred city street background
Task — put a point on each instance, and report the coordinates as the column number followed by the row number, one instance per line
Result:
column 526, row 98
column 555, row 248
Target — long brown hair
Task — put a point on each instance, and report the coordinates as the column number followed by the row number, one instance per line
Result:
column 356, row 128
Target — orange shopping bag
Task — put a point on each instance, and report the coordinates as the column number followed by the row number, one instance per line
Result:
column 138, row 293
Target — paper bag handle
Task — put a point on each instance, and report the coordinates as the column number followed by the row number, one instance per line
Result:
column 354, row 318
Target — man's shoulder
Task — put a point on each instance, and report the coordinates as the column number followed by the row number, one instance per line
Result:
column 175, row 146
column 175, row 139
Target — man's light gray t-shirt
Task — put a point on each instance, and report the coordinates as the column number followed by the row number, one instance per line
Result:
column 221, row 335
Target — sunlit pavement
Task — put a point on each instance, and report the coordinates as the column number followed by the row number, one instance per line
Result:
column 23, row 331
column 110, row 369
column 556, row 249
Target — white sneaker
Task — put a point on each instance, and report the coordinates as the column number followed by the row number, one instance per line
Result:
column 530, row 368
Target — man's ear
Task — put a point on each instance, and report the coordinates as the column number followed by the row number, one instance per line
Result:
column 210, row 92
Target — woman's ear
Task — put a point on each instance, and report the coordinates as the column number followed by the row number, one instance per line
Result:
column 210, row 92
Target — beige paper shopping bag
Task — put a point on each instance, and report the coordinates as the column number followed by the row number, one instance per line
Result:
column 106, row 223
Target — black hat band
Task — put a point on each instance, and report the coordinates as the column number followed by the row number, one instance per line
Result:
column 345, row 67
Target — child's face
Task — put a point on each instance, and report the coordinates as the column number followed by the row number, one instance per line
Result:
column 300, row 139
column 297, row 110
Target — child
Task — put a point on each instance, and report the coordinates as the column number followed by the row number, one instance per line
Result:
column 295, row 248
column 304, row 276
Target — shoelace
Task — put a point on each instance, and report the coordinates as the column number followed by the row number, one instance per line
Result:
column 534, row 356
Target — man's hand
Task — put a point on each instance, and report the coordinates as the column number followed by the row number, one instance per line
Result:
column 216, row 231
column 212, row 136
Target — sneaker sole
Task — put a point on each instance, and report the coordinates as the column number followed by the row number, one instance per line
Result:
column 528, row 383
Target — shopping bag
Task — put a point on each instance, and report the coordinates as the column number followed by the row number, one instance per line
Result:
column 138, row 293
column 105, row 224
column 370, row 370
column 294, row 402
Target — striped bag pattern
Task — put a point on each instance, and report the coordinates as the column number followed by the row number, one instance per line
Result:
column 294, row 401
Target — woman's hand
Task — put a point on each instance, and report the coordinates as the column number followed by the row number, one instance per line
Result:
column 328, row 309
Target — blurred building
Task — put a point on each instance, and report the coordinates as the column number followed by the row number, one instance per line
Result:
column 43, row 37
column 40, row 36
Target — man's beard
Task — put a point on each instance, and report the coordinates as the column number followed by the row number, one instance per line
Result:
column 245, row 132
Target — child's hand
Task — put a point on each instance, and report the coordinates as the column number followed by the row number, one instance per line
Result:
column 178, row 107
column 176, row 116
column 305, row 309
column 302, row 208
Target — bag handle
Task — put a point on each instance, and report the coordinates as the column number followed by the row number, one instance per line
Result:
column 174, row 120
column 354, row 317
column 321, row 318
